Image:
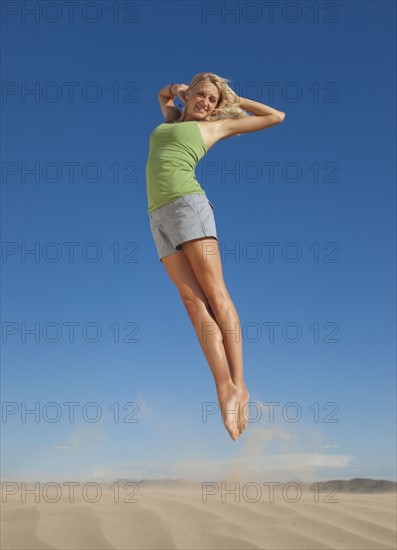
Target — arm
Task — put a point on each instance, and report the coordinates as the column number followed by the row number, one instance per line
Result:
column 166, row 100
column 265, row 117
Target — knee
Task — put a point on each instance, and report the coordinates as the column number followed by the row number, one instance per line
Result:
column 218, row 300
column 193, row 304
column 202, row 318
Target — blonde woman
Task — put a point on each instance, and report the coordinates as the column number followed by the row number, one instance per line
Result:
column 183, row 225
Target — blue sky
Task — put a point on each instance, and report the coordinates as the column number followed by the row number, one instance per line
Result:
column 328, row 208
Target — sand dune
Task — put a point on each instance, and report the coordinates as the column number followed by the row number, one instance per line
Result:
column 187, row 515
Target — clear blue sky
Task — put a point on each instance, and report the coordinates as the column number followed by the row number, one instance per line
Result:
column 331, row 198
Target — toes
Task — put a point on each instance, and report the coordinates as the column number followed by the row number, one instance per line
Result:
column 243, row 422
column 233, row 431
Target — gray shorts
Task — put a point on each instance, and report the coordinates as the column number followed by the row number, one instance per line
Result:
column 188, row 217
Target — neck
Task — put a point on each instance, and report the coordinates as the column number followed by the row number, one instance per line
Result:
column 186, row 117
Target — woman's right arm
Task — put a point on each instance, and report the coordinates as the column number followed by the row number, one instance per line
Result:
column 166, row 100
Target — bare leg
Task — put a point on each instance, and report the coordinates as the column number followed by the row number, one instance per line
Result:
column 227, row 321
column 204, row 257
column 230, row 395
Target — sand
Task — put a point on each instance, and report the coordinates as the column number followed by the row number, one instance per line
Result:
column 192, row 515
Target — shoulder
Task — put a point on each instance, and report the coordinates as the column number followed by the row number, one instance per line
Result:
column 173, row 115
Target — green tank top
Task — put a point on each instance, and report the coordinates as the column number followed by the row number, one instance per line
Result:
column 174, row 151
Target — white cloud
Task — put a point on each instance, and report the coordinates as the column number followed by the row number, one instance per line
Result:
column 281, row 467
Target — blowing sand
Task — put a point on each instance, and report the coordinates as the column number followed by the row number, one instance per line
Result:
column 191, row 515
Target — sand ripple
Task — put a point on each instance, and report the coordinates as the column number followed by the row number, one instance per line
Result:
column 177, row 518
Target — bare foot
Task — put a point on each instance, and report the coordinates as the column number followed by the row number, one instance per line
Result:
column 242, row 420
column 230, row 398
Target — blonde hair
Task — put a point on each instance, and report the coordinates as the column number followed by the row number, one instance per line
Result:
column 227, row 103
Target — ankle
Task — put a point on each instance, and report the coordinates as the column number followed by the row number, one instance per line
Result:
column 240, row 383
column 226, row 386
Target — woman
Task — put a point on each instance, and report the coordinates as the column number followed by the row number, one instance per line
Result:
column 183, row 226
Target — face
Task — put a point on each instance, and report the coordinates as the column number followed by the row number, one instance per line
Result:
column 201, row 99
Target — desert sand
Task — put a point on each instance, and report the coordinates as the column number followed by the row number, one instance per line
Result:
column 354, row 515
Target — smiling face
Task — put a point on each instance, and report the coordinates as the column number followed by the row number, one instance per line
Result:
column 201, row 100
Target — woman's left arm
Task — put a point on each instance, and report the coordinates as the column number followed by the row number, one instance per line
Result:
column 265, row 117
column 259, row 109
